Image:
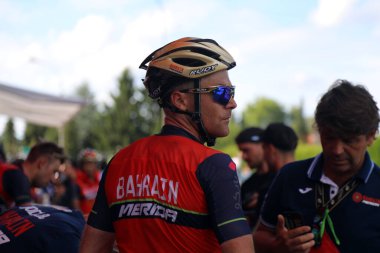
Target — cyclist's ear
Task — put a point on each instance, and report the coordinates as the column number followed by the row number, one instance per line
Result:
column 181, row 101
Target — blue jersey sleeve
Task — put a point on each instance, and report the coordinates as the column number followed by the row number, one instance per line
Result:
column 218, row 178
column 100, row 216
column 17, row 185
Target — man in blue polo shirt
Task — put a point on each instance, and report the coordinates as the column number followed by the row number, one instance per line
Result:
column 330, row 203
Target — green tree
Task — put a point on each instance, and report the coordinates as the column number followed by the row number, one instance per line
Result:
column 36, row 133
column 262, row 112
column 33, row 134
column 299, row 122
column 132, row 116
column 11, row 144
column 80, row 131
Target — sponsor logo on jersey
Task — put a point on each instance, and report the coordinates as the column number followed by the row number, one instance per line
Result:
column 203, row 70
column 357, row 197
column 3, row 238
column 152, row 186
column 305, row 190
column 147, row 209
column 176, row 68
column 34, row 211
column 232, row 166
column 15, row 223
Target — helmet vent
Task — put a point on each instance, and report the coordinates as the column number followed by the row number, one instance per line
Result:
column 189, row 62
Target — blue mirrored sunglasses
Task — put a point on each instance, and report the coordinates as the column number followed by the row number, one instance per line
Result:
column 220, row 94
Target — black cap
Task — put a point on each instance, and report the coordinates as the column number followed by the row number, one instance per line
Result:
column 252, row 134
column 281, row 136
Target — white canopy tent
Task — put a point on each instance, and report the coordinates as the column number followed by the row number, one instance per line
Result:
column 38, row 108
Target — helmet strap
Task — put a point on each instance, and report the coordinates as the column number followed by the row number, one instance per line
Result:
column 196, row 117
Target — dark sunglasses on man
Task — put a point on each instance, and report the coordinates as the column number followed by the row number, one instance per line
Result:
column 221, row 94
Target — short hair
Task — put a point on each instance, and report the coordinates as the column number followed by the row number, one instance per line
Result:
column 281, row 136
column 347, row 110
column 46, row 149
column 251, row 134
column 167, row 82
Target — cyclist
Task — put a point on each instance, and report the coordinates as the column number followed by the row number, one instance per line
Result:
column 169, row 192
column 40, row 229
column 16, row 181
column 88, row 178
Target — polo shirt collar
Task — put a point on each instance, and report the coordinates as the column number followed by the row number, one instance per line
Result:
column 314, row 171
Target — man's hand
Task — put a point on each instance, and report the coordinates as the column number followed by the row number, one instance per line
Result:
column 298, row 240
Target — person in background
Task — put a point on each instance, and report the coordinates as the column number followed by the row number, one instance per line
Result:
column 40, row 229
column 249, row 142
column 3, row 157
column 37, row 170
column 329, row 203
column 66, row 190
column 88, row 178
column 168, row 192
column 279, row 143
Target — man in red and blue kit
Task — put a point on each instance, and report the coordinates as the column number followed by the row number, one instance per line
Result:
column 37, row 170
column 40, row 229
column 169, row 192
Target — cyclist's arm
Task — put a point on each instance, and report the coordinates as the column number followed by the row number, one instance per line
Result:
column 243, row 244
column 96, row 241
column 218, row 178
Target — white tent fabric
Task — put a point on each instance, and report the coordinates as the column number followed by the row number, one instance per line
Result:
column 37, row 108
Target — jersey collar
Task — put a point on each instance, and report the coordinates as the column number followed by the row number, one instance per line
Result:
column 173, row 130
column 315, row 169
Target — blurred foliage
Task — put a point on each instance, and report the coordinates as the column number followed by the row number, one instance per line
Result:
column 374, row 151
column 80, row 131
column 262, row 112
column 10, row 142
column 303, row 150
column 132, row 115
column 299, row 123
column 36, row 133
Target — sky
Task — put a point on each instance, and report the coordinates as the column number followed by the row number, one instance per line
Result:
column 290, row 51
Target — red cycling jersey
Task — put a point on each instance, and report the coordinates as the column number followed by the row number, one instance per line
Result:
column 169, row 193
column 88, row 188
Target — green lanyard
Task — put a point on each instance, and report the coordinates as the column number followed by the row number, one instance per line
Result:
column 320, row 222
column 327, row 217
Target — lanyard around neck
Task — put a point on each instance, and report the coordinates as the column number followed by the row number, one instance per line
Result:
column 324, row 208
column 322, row 203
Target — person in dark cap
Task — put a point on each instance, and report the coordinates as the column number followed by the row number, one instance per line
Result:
column 279, row 143
column 249, row 142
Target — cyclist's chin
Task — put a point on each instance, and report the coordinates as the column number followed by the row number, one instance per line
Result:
column 221, row 132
